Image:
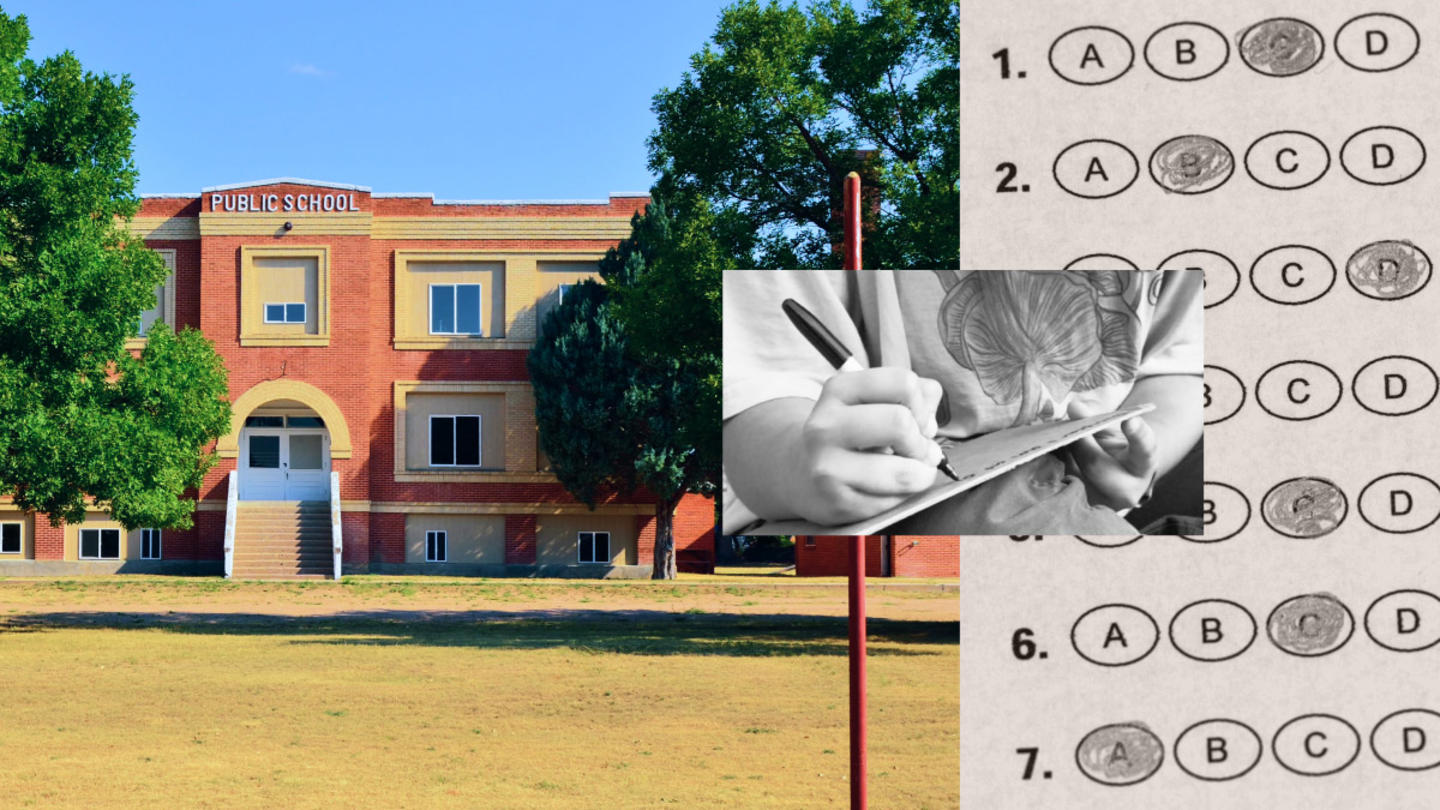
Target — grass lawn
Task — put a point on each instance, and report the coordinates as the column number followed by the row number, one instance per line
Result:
column 173, row 692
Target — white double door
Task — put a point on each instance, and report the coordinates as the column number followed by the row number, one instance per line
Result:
column 285, row 465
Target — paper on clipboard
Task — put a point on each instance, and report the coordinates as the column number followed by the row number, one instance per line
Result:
column 975, row 461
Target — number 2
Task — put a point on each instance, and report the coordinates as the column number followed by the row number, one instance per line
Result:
column 1007, row 176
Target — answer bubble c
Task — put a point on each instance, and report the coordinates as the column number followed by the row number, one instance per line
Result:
column 1298, row 390
column 1287, row 160
column 1292, row 274
column 1316, row 745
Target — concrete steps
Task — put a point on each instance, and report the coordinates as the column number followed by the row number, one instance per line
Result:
column 283, row 540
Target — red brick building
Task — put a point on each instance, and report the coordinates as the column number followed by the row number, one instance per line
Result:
column 885, row 556
column 375, row 343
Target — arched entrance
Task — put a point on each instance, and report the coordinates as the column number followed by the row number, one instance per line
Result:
column 283, row 436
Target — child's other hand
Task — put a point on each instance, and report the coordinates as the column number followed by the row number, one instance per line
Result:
column 1118, row 465
column 867, row 444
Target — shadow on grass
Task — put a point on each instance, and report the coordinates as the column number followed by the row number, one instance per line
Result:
column 630, row 632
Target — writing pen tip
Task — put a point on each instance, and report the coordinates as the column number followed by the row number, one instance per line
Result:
column 945, row 467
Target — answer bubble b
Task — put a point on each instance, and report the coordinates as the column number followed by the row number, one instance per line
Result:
column 1287, row 160
column 1404, row 621
column 1187, row 51
column 1382, row 156
column 1111, row 541
column 1395, row 385
column 1114, row 635
column 1298, row 390
column 1292, row 274
column 1218, row 750
column 1191, row 164
column 1225, row 511
column 1213, row 630
column 1408, row 740
column 1316, row 745
column 1096, row 169
column 1400, row 503
column 1091, row 55
column 1377, row 42
column 1224, row 394
column 1222, row 277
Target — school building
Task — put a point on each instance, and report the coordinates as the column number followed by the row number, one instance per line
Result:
column 382, row 420
column 885, row 556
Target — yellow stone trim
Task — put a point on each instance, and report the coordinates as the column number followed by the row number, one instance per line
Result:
column 164, row 227
column 268, row 224
column 522, row 284
column 454, row 508
column 519, row 402
column 317, row 400
column 252, row 325
column 607, row 228
column 168, row 255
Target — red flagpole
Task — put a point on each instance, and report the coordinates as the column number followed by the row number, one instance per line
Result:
column 858, row 800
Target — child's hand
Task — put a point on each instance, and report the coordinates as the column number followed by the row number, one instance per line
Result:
column 867, row 444
column 1118, row 466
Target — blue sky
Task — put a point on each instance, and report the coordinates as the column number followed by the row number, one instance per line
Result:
column 546, row 99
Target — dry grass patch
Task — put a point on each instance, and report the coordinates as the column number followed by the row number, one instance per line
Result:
column 663, row 700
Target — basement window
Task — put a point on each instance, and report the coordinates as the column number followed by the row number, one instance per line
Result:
column 149, row 544
column 594, row 547
column 99, row 544
column 10, row 538
column 435, row 546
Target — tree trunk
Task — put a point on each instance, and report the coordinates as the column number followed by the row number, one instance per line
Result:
column 664, row 540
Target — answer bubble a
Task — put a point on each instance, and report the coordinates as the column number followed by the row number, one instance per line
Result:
column 1218, row 750
column 1191, row 164
column 1311, row 625
column 1101, row 261
column 1395, row 385
column 1225, row 512
column 1408, row 740
column 1187, row 51
column 1316, row 745
column 1404, row 621
column 1114, row 541
column 1224, row 394
column 1304, row 507
column 1287, row 160
column 1382, row 156
column 1292, row 274
column 1400, row 503
column 1096, row 169
column 1222, row 277
column 1298, row 390
column 1283, row 46
column 1120, row 754
column 1377, row 42
column 1114, row 635
column 1388, row 270
column 1213, row 630
column 1091, row 55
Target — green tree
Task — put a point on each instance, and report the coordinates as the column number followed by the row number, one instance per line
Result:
column 614, row 417
column 784, row 102
column 83, row 423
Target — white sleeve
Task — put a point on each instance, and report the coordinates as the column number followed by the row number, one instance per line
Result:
column 1175, row 339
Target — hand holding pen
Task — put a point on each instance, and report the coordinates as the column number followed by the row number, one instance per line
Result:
column 863, row 410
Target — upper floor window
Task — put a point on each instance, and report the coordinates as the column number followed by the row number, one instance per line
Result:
column 164, row 309
column 285, row 313
column 455, row 309
column 455, row 441
column 284, row 295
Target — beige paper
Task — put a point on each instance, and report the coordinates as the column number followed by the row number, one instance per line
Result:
column 1321, row 441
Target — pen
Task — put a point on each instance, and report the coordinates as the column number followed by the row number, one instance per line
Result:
column 836, row 354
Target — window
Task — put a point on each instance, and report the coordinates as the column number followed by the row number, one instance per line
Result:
column 455, row 309
column 9, row 538
column 285, row 313
column 455, row 441
column 265, row 421
column 810, row 542
column 561, row 291
column 99, row 544
column 164, row 309
column 435, row 542
column 149, row 544
column 594, row 547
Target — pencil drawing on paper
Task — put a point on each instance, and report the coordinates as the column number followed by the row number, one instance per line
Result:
column 1388, row 270
column 1281, row 47
column 1310, row 625
column 1040, row 338
column 1304, row 507
column 1120, row 754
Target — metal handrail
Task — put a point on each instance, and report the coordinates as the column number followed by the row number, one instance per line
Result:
column 232, row 498
column 335, row 541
